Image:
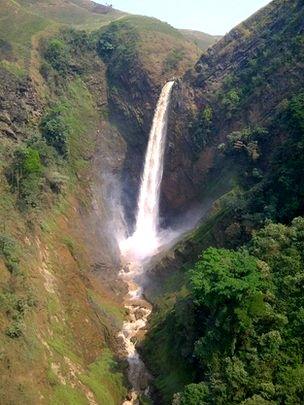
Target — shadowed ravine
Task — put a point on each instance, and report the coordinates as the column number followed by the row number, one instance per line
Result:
column 145, row 242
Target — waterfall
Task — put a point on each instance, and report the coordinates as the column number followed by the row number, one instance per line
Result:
column 144, row 242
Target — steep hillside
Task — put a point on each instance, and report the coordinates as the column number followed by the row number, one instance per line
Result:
column 83, row 13
column 22, row 20
column 78, row 87
column 201, row 39
column 227, row 318
column 61, row 300
column 232, row 88
column 59, row 318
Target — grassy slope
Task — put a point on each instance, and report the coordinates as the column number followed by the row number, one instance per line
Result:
column 201, row 39
column 70, row 12
column 22, row 20
column 17, row 28
column 57, row 359
column 160, row 41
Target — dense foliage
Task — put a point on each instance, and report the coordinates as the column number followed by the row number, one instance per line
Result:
column 245, row 336
column 26, row 176
column 117, row 46
column 272, row 179
column 55, row 130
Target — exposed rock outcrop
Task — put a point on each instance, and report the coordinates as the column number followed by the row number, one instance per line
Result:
column 237, row 80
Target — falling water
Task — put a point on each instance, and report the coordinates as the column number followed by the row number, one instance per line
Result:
column 143, row 244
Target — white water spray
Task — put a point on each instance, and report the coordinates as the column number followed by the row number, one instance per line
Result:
column 143, row 244
column 145, row 240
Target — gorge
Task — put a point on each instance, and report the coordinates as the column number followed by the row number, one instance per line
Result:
column 151, row 239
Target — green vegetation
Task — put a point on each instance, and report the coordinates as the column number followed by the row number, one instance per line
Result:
column 18, row 26
column 202, row 40
column 66, row 55
column 65, row 394
column 154, row 25
column 55, row 130
column 230, row 101
column 26, row 176
column 13, row 68
column 16, row 304
column 239, row 326
column 201, row 128
column 56, row 53
column 10, row 252
column 105, row 380
column 117, row 46
column 273, row 185
column 173, row 59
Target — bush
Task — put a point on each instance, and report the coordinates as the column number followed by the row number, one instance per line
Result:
column 15, row 307
column 194, row 394
column 26, row 176
column 117, row 46
column 14, row 330
column 55, row 130
column 56, row 54
column 230, row 101
column 9, row 251
column 173, row 59
column 201, row 129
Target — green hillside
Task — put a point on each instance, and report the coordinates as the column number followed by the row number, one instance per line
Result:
column 79, row 83
column 229, row 310
column 202, row 40
column 60, row 295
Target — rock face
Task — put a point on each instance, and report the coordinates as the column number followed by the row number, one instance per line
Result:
column 133, row 112
column 136, row 74
column 18, row 103
column 233, row 86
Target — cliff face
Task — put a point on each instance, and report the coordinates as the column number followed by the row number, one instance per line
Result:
column 141, row 54
column 242, row 81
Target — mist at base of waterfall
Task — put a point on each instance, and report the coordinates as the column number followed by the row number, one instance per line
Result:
column 140, row 247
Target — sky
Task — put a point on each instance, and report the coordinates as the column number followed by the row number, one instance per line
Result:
column 215, row 17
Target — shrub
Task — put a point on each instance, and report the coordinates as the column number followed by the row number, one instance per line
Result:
column 117, row 46
column 230, row 101
column 55, row 130
column 56, row 53
column 201, row 128
column 14, row 330
column 26, row 176
column 173, row 59
column 9, row 251
column 15, row 307
column 194, row 394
